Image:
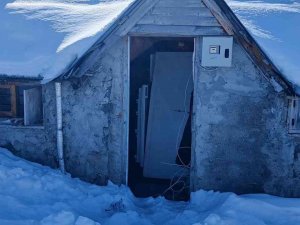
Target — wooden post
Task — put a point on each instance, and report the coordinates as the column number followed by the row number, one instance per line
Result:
column 13, row 99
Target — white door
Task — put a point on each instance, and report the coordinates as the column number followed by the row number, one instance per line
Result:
column 169, row 108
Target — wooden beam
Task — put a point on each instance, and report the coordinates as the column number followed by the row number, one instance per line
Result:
column 7, row 80
column 172, row 11
column 20, row 83
column 13, row 99
column 179, row 21
column 220, row 16
column 179, row 3
column 178, row 31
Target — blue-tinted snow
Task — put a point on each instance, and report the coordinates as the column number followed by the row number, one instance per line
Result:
column 275, row 24
column 31, row 194
column 42, row 37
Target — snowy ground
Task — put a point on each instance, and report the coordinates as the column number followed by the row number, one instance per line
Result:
column 34, row 194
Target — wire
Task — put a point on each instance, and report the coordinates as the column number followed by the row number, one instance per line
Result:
column 176, row 182
column 182, row 168
column 182, row 122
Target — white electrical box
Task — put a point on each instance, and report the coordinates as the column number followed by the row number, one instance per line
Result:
column 217, row 51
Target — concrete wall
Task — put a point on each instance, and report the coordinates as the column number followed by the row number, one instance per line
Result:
column 93, row 119
column 241, row 142
column 93, row 123
column 240, row 138
column 36, row 144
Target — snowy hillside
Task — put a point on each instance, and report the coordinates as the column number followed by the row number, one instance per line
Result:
column 31, row 194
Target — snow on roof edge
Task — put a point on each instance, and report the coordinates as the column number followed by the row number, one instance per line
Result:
column 272, row 25
column 96, row 23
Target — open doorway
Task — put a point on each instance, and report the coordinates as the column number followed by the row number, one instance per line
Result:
column 161, row 93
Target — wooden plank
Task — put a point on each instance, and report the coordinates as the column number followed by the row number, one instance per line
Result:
column 181, row 11
column 180, row 21
column 217, row 12
column 180, row 3
column 18, row 82
column 5, row 79
column 184, row 31
column 13, row 100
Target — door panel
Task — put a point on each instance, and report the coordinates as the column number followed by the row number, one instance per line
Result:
column 169, row 108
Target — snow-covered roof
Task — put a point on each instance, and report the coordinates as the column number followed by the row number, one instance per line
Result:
column 57, row 32
column 53, row 35
column 275, row 25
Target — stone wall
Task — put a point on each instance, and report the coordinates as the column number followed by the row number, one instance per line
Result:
column 93, row 119
column 93, row 122
column 241, row 142
column 240, row 137
column 36, row 144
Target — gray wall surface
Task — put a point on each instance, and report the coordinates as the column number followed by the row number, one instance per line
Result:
column 240, row 137
column 93, row 119
column 241, row 142
column 36, row 144
column 93, row 122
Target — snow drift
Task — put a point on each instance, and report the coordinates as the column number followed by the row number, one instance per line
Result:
column 32, row 194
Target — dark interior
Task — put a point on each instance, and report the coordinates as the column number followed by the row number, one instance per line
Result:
column 140, row 71
column 5, row 99
column 12, row 104
column 5, row 102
